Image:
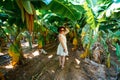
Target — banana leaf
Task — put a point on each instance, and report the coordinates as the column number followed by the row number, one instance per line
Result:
column 3, row 16
column 105, row 27
column 27, row 6
column 8, row 30
column 53, row 29
column 117, row 34
column 51, row 17
column 118, row 51
column 91, row 3
column 7, row 4
column 104, row 1
column 19, row 3
column 66, row 10
column 91, row 19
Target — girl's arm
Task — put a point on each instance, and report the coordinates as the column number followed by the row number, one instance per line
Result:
column 67, row 30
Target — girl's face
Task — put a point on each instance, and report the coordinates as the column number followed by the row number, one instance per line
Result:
column 62, row 30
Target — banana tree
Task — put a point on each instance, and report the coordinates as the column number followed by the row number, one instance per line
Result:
column 13, row 28
column 91, row 26
column 27, row 13
column 101, row 20
column 110, row 24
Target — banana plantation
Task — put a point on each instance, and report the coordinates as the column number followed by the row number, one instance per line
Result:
column 29, row 39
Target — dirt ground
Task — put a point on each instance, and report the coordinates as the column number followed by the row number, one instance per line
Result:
column 46, row 67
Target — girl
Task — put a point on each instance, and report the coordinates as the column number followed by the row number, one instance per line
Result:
column 62, row 50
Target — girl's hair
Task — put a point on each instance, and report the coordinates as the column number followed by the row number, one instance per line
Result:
column 61, row 29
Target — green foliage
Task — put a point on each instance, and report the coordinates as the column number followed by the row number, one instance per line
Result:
column 66, row 9
column 90, row 16
column 53, row 29
column 3, row 17
column 19, row 3
column 107, row 26
column 48, row 20
column 41, row 41
column 104, row 1
column 109, row 17
column 91, row 3
column 4, row 4
column 27, row 6
column 107, row 39
column 117, row 35
column 51, row 18
column 108, row 60
column 14, row 52
column 85, row 35
column 103, row 42
column 27, row 36
column 88, row 40
column 104, row 38
column 118, row 50
column 38, row 4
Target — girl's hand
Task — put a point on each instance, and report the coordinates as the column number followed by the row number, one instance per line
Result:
column 65, row 50
column 66, row 30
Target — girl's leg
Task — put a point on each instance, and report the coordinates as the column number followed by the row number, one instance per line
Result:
column 60, row 60
column 63, row 61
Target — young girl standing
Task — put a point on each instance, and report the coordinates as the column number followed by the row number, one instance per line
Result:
column 62, row 50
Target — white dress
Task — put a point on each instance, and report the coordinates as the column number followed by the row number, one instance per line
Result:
column 60, row 50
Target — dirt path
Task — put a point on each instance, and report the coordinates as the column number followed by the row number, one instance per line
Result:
column 46, row 67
